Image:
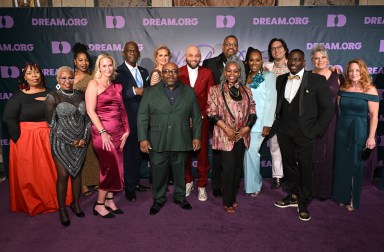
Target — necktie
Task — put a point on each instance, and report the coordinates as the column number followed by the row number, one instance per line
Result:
column 139, row 82
column 291, row 77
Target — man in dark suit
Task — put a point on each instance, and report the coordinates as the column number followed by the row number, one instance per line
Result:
column 304, row 109
column 216, row 65
column 201, row 80
column 134, row 79
column 166, row 112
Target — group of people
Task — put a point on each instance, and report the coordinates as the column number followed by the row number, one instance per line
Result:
column 97, row 127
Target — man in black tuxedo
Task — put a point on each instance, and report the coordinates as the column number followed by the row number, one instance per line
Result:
column 216, row 65
column 134, row 79
column 304, row 109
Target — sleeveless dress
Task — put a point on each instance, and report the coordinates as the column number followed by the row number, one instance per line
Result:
column 90, row 171
column 111, row 111
column 325, row 148
column 351, row 135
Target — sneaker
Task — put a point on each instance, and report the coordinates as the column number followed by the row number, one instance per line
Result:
column 304, row 216
column 188, row 188
column 202, row 194
column 289, row 201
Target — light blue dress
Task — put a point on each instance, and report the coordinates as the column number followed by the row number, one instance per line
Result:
column 265, row 97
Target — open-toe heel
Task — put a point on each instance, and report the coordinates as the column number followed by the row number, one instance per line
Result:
column 116, row 211
column 229, row 210
column 109, row 215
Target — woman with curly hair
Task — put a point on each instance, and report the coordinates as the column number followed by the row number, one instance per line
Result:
column 357, row 98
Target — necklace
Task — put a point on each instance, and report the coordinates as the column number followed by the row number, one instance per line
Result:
column 69, row 95
column 232, row 94
column 257, row 80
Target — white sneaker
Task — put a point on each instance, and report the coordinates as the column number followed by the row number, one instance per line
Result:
column 188, row 188
column 202, row 194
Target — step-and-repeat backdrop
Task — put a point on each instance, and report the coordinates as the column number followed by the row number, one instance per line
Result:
column 45, row 36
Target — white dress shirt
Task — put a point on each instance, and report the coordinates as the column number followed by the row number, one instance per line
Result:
column 292, row 86
column 192, row 73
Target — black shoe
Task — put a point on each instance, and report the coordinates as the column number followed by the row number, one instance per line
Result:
column 80, row 214
column 64, row 218
column 276, row 183
column 130, row 195
column 116, row 211
column 289, row 201
column 304, row 215
column 109, row 215
column 155, row 208
column 141, row 188
column 183, row 204
column 217, row 193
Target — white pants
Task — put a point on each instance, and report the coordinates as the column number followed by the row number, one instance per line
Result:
column 277, row 162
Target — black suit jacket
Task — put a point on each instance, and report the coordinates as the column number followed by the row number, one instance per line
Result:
column 315, row 104
column 131, row 101
column 216, row 65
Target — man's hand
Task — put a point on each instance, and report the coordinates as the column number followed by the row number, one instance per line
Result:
column 139, row 91
column 196, row 144
column 266, row 131
column 145, row 146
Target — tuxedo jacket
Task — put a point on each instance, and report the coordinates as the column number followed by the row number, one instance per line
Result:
column 131, row 101
column 315, row 104
column 167, row 127
column 216, row 65
column 203, row 83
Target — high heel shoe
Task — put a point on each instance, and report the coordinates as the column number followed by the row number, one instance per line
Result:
column 109, row 215
column 64, row 218
column 117, row 211
column 80, row 215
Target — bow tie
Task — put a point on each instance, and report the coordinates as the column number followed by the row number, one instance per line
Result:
column 291, row 77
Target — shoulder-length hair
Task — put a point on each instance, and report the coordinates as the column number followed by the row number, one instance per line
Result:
column 23, row 84
column 365, row 79
column 161, row 47
column 271, row 59
column 96, row 72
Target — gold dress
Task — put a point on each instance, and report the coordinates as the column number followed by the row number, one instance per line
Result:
column 90, row 172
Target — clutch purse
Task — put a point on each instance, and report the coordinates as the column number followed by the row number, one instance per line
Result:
column 366, row 153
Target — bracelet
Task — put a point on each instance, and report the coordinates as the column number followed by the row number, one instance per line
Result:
column 102, row 131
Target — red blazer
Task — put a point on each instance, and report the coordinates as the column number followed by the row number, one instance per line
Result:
column 203, row 83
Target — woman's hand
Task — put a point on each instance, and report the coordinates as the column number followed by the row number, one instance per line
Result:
column 123, row 139
column 266, row 131
column 370, row 143
column 242, row 133
column 107, row 141
column 79, row 143
column 231, row 134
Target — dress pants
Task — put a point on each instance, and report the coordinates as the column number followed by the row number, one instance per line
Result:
column 161, row 162
column 202, row 159
column 132, row 162
column 232, row 165
column 297, row 152
column 216, row 170
column 252, row 177
column 277, row 161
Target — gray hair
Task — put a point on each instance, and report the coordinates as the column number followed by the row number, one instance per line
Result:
column 321, row 49
column 62, row 70
column 240, row 65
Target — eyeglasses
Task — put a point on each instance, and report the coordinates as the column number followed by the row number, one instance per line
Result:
column 231, row 44
column 168, row 71
column 67, row 79
column 294, row 59
column 276, row 48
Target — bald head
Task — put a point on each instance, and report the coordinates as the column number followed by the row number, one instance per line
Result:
column 170, row 74
column 131, row 53
column 193, row 56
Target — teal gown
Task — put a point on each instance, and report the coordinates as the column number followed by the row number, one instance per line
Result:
column 351, row 135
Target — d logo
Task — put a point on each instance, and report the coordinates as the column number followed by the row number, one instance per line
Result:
column 225, row 21
column 9, row 72
column 381, row 49
column 6, row 22
column 336, row 20
column 114, row 22
column 60, row 47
